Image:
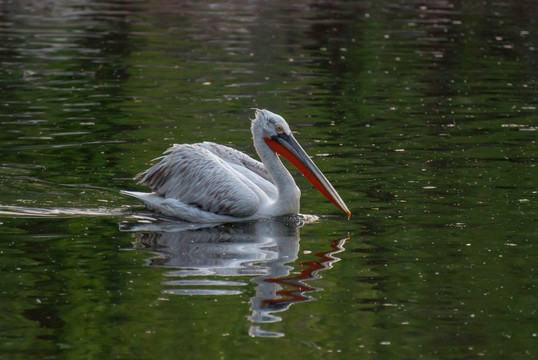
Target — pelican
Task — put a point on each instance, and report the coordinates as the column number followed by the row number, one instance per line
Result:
column 212, row 183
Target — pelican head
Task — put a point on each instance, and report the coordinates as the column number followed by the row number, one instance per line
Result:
column 276, row 133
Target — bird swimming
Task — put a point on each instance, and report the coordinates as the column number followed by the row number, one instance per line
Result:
column 208, row 182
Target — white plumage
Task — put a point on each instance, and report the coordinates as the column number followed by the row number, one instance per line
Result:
column 208, row 182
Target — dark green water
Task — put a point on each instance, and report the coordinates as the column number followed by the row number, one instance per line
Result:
column 422, row 114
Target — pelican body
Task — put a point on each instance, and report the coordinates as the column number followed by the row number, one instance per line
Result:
column 208, row 182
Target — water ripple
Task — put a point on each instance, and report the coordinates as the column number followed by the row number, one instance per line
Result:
column 20, row 211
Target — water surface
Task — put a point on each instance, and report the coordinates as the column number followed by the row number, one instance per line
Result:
column 422, row 115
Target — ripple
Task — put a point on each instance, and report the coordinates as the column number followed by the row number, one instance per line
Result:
column 204, row 282
column 59, row 146
column 62, row 212
column 212, row 292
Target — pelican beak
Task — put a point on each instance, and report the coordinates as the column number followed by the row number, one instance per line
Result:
column 286, row 146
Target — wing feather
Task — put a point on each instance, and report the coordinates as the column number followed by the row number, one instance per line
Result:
column 206, row 176
column 233, row 156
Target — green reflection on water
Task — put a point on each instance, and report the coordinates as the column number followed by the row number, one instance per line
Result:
column 423, row 116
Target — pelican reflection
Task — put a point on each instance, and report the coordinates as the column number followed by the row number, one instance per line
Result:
column 203, row 260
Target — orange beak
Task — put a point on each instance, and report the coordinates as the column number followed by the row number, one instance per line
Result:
column 286, row 146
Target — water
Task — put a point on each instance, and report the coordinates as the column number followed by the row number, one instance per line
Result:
column 422, row 115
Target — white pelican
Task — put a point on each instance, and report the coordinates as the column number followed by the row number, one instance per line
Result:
column 208, row 182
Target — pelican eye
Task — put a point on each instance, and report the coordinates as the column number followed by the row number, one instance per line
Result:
column 279, row 129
